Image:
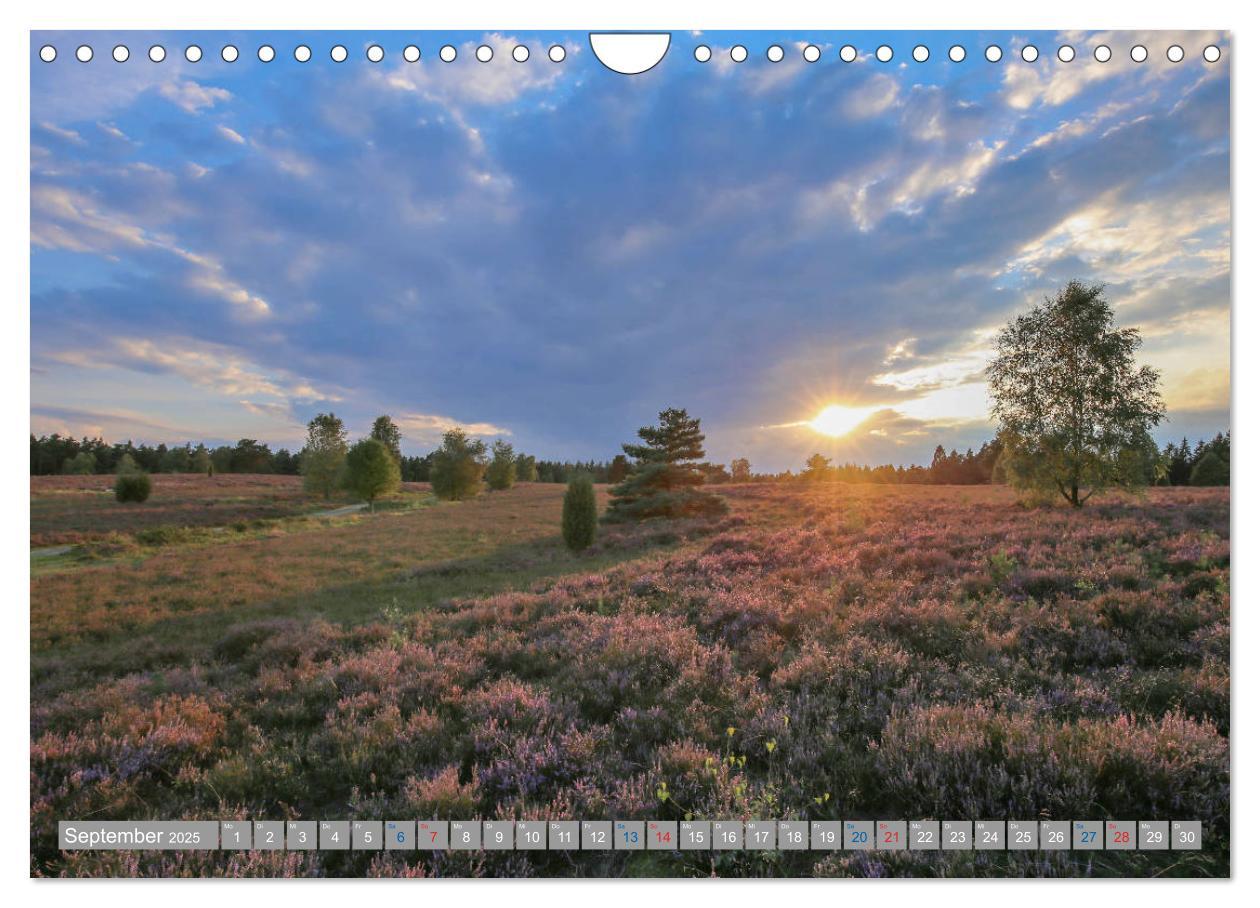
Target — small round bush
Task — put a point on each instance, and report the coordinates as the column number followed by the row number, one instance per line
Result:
column 133, row 487
column 579, row 519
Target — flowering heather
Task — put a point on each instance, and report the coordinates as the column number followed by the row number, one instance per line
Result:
column 819, row 653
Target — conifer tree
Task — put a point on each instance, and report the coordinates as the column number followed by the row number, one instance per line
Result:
column 665, row 478
column 578, row 518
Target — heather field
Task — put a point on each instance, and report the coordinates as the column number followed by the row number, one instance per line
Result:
column 823, row 651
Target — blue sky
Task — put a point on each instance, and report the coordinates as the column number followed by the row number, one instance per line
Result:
column 551, row 252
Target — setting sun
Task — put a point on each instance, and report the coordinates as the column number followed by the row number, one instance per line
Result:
column 835, row 420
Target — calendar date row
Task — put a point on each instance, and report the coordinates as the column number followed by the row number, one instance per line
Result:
column 636, row 835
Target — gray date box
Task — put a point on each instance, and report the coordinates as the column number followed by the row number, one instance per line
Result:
column 434, row 835
column 1186, row 835
column 695, row 835
column 924, row 835
column 367, row 835
column 793, row 835
column 826, row 835
column 531, row 835
column 1021, row 835
column 759, row 835
column 890, row 835
column 236, row 835
column 1121, row 835
column 496, row 835
column 859, row 835
column 465, row 835
column 334, row 835
column 563, row 835
column 628, row 835
column 956, row 835
column 597, row 835
column 990, row 835
column 1056, row 835
column 300, row 835
column 1153, row 835
column 728, row 835
column 662, row 835
column 400, row 835
column 268, row 835
column 1087, row 835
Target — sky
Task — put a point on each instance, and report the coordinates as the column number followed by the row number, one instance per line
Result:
column 551, row 253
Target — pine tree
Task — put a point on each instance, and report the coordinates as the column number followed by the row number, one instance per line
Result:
column 666, row 473
column 619, row 469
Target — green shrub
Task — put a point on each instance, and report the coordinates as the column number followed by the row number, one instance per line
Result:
column 371, row 470
column 579, row 517
column 501, row 473
column 166, row 535
column 457, row 466
column 81, row 464
column 133, row 487
column 1209, row 471
column 526, row 468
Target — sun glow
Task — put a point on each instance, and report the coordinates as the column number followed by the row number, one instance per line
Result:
column 835, row 420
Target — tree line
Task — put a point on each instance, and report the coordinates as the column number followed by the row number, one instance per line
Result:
column 1206, row 464
column 1178, row 464
column 54, row 454
column 57, row 454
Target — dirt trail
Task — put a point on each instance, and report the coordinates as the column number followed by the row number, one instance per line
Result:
column 341, row 512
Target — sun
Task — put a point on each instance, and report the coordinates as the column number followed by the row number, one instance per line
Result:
column 835, row 420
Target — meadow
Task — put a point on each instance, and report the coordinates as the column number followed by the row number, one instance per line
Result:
column 71, row 510
column 821, row 652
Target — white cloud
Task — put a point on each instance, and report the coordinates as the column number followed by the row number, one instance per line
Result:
column 113, row 131
column 429, row 427
column 953, row 368
column 634, row 241
column 874, row 96
column 231, row 134
column 468, row 81
column 68, row 135
column 109, row 425
column 193, row 96
column 64, row 219
column 899, row 183
column 216, row 367
column 1157, row 237
column 1050, row 82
